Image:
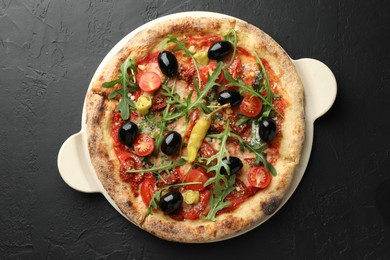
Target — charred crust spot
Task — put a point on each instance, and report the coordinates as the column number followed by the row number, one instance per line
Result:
column 95, row 120
column 100, row 109
column 129, row 204
column 270, row 206
column 201, row 229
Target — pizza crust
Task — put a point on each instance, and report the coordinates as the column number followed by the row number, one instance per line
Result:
column 103, row 158
column 256, row 208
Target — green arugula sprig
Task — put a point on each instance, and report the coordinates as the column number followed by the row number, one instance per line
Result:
column 187, row 105
column 269, row 94
column 157, row 196
column 160, row 168
column 258, row 150
column 128, row 84
column 217, row 201
column 222, row 184
column 231, row 36
column 240, row 84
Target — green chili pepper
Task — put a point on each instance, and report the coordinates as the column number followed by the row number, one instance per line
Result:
column 198, row 133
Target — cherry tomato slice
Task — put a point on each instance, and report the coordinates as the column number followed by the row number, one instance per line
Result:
column 149, row 81
column 259, row 177
column 143, row 145
column 196, row 175
column 251, row 106
column 147, row 190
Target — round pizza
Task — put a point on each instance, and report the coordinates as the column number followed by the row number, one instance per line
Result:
column 195, row 127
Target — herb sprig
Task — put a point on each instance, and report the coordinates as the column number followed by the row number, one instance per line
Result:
column 222, row 184
column 231, row 36
column 269, row 94
column 164, row 167
column 128, row 84
column 239, row 83
column 188, row 105
column 258, row 150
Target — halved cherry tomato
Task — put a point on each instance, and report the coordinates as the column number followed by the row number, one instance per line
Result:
column 196, row 175
column 147, row 189
column 259, row 177
column 149, row 81
column 143, row 145
column 206, row 71
column 250, row 106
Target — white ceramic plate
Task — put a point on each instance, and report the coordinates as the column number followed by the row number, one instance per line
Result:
column 320, row 87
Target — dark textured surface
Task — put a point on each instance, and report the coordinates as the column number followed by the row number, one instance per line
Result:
column 49, row 51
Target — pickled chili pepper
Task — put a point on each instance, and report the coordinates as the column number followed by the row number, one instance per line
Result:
column 198, row 133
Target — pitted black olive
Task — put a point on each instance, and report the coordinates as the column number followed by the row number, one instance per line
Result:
column 220, row 50
column 267, row 129
column 170, row 201
column 234, row 164
column 127, row 133
column 231, row 96
column 171, row 143
column 168, row 63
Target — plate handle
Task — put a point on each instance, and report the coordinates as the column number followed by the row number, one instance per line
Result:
column 320, row 85
column 73, row 165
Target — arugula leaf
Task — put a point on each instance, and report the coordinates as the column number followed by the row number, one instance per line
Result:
column 187, row 105
column 231, row 36
column 162, row 124
column 128, row 84
column 239, row 83
column 222, row 184
column 164, row 167
column 258, row 151
column 218, row 196
column 268, row 107
column 243, row 119
column 111, row 83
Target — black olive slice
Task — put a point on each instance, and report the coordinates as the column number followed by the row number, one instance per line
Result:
column 168, row 63
column 234, row 164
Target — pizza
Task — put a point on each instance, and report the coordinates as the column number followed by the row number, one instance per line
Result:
column 195, row 128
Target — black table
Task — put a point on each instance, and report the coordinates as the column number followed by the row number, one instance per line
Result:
column 49, row 51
